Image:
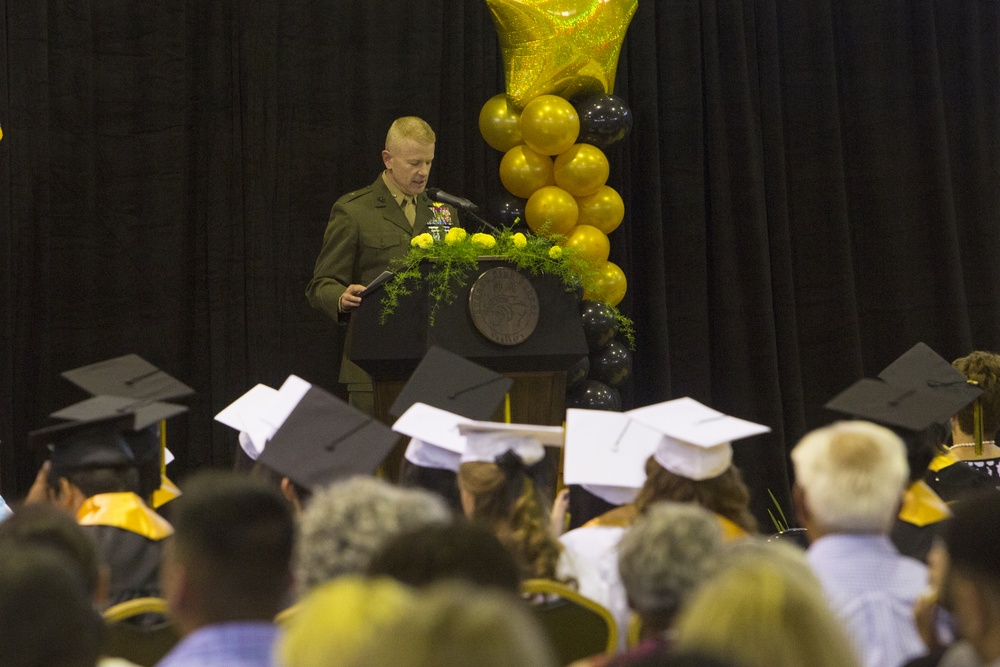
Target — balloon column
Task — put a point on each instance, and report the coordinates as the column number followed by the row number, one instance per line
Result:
column 560, row 59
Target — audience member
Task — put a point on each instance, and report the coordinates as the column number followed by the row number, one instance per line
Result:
column 460, row 550
column 227, row 572
column 971, row 588
column 346, row 524
column 450, row 625
column 763, row 610
column 91, row 475
column 962, row 471
column 850, row 479
column 498, row 492
column 332, row 624
column 663, row 559
column 46, row 615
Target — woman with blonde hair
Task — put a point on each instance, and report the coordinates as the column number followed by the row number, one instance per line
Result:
column 765, row 609
column 497, row 492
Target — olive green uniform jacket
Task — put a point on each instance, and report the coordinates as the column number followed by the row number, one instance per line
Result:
column 366, row 231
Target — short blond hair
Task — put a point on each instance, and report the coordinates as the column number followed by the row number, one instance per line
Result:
column 853, row 474
column 409, row 127
column 761, row 613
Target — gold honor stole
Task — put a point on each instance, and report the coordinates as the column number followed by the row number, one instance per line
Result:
column 126, row 511
column 922, row 507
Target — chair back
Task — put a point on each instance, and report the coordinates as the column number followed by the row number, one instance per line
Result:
column 577, row 626
column 139, row 631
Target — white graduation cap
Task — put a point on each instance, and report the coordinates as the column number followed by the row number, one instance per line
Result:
column 244, row 415
column 696, row 440
column 434, row 438
column 260, row 412
column 487, row 441
column 606, row 453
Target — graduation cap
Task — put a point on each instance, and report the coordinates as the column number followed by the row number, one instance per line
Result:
column 246, row 415
column 907, row 408
column 447, row 381
column 146, row 413
column 697, row 440
column 921, row 367
column 80, row 445
column 606, row 453
column 324, row 439
column 488, row 441
column 129, row 376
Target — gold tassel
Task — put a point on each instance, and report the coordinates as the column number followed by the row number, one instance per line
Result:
column 977, row 416
column 506, row 408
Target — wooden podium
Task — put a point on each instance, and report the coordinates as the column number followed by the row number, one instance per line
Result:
column 497, row 300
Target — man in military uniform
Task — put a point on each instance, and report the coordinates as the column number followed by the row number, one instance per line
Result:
column 370, row 227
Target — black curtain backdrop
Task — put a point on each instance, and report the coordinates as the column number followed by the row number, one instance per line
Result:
column 810, row 189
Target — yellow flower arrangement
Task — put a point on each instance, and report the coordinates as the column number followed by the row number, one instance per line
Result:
column 455, row 235
column 519, row 240
column 423, row 241
column 484, row 240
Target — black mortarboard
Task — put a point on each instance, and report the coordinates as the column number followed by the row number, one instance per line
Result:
column 129, row 376
column 146, row 413
column 86, row 444
column 921, row 367
column 903, row 407
column 324, row 439
column 449, row 382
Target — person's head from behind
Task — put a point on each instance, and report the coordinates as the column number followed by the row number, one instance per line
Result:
column 972, row 584
column 47, row 526
column 347, row 523
column 850, row 477
column 334, row 621
column 725, row 494
column 408, row 154
column 451, row 625
column 502, row 497
column 984, row 368
column 456, row 551
column 46, row 615
column 88, row 462
column 664, row 557
column 230, row 557
column 760, row 612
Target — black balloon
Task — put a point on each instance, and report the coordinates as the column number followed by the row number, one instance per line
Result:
column 578, row 372
column 604, row 119
column 599, row 324
column 510, row 209
column 594, row 395
column 611, row 365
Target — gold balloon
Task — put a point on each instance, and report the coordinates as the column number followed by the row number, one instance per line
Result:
column 581, row 170
column 500, row 124
column 604, row 209
column 523, row 171
column 610, row 285
column 549, row 125
column 590, row 243
column 562, row 47
column 551, row 211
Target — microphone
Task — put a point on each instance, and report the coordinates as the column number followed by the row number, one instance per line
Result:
column 458, row 202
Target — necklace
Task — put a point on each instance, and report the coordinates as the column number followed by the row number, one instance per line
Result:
column 972, row 444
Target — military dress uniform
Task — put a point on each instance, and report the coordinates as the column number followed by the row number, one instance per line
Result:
column 367, row 230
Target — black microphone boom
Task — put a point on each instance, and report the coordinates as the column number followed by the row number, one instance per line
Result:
column 458, row 202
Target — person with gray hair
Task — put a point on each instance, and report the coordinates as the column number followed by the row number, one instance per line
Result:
column 662, row 559
column 850, row 478
column 347, row 523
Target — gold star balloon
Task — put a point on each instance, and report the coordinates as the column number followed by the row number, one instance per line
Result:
column 560, row 47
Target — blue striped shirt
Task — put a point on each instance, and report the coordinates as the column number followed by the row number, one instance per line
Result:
column 872, row 589
column 237, row 644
